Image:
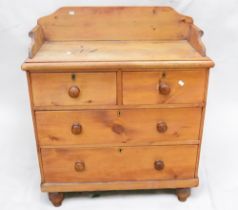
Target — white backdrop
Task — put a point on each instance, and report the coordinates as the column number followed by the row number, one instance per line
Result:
column 19, row 173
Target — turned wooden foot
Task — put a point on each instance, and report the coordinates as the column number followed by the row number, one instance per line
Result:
column 183, row 193
column 56, row 198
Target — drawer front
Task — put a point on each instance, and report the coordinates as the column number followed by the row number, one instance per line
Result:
column 119, row 164
column 164, row 87
column 138, row 126
column 55, row 89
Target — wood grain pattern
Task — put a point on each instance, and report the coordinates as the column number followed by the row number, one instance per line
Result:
column 129, row 24
column 118, row 185
column 82, row 51
column 119, row 164
column 115, row 23
column 117, row 107
column 137, row 126
column 119, row 88
column 37, row 40
column 55, row 67
column 195, row 39
column 202, row 125
column 118, row 97
column 52, row 89
column 34, row 126
column 143, row 87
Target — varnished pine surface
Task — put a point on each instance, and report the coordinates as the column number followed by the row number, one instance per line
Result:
column 124, row 127
column 53, row 89
column 134, row 88
column 118, row 185
column 143, row 87
column 119, row 164
column 148, row 43
column 82, row 51
column 115, row 23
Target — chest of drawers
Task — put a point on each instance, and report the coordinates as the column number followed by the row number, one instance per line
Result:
column 118, row 97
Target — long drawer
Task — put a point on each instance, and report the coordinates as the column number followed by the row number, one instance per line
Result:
column 138, row 126
column 119, row 164
column 57, row 89
column 164, row 87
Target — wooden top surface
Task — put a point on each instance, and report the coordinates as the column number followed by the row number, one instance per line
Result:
column 80, row 38
column 81, row 51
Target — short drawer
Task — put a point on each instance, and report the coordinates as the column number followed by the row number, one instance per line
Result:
column 119, row 164
column 138, row 126
column 164, row 87
column 57, row 89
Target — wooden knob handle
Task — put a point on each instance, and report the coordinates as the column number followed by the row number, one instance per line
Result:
column 164, row 88
column 79, row 166
column 162, row 127
column 76, row 128
column 74, row 91
column 159, row 165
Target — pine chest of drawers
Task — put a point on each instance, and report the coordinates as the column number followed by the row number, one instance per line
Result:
column 118, row 97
